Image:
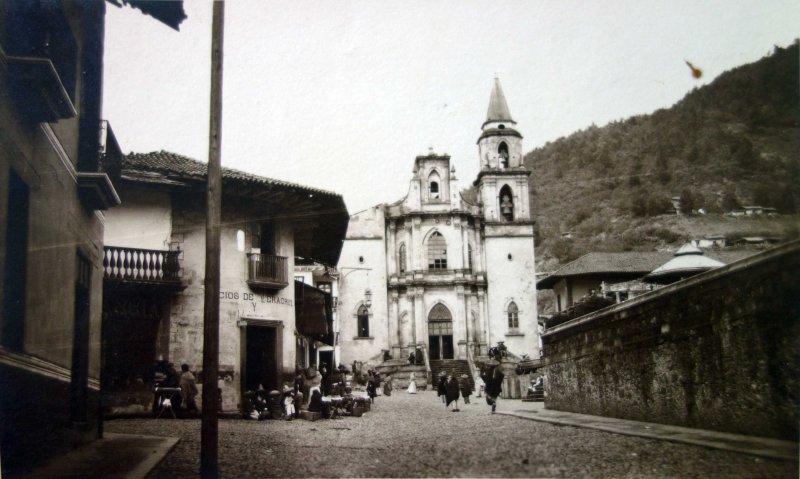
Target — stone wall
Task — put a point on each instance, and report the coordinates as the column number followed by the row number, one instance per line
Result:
column 717, row 351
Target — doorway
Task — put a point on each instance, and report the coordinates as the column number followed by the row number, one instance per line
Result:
column 440, row 333
column 261, row 358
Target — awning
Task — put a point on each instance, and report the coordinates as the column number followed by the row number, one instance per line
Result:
column 168, row 12
column 313, row 309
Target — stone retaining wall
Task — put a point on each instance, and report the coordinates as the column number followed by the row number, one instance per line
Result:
column 717, row 351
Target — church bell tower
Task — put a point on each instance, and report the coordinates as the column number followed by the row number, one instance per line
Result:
column 503, row 179
column 507, row 230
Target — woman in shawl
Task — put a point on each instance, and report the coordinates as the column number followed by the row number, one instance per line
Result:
column 452, row 392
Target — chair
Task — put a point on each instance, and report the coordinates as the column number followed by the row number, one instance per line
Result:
column 165, row 397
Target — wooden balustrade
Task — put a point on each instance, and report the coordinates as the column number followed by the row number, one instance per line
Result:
column 145, row 265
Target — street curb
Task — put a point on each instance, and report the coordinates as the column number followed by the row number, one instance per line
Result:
column 758, row 446
column 157, row 455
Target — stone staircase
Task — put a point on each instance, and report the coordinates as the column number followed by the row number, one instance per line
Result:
column 456, row 367
column 401, row 371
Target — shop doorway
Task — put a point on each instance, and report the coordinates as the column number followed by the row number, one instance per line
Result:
column 440, row 333
column 326, row 358
column 261, row 358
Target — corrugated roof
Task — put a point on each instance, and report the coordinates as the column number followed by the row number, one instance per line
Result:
column 596, row 263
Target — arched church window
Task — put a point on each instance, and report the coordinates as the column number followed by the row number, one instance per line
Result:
column 513, row 316
column 433, row 186
column 437, row 251
column 502, row 154
column 507, row 203
column 401, row 258
column 363, row 321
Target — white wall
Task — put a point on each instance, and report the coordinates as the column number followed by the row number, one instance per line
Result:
column 143, row 220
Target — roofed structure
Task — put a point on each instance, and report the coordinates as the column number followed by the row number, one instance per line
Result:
column 688, row 261
column 320, row 216
column 627, row 265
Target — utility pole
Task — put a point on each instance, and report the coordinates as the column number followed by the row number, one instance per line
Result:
column 209, row 430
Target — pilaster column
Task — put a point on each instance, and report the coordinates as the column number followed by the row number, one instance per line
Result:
column 484, row 319
column 393, row 333
column 419, row 326
column 465, row 245
column 391, row 255
column 461, row 334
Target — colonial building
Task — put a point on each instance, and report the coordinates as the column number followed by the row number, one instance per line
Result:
column 155, row 269
column 54, row 193
column 441, row 272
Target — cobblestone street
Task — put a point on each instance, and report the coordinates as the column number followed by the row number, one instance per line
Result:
column 415, row 436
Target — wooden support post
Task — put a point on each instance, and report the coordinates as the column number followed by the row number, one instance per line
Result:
column 209, row 431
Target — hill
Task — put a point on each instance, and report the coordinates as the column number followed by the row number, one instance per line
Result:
column 731, row 143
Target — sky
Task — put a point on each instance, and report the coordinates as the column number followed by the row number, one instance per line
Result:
column 343, row 95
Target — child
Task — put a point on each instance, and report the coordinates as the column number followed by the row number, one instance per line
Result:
column 288, row 403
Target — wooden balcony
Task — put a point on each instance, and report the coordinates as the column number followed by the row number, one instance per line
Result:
column 265, row 271
column 142, row 268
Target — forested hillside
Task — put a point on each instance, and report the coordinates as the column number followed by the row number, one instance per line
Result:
column 731, row 143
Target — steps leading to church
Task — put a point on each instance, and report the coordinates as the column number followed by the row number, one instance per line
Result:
column 455, row 367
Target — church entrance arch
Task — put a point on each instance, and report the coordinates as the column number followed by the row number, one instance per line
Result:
column 440, row 333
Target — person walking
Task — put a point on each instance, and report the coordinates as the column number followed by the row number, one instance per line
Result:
column 188, row 386
column 412, row 384
column 493, row 379
column 452, row 392
column 466, row 388
column 372, row 385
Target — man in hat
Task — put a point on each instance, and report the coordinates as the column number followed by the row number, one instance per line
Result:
column 493, row 379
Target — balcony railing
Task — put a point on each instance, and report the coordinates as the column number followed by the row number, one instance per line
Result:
column 135, row 265
column 266, row 271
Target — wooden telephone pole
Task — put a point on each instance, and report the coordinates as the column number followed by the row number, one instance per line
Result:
column 209, row 430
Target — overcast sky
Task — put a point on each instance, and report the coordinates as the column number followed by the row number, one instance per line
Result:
column 342, row 95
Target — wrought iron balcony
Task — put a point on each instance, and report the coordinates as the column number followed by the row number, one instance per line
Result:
column 265, row 271
column 134, row 266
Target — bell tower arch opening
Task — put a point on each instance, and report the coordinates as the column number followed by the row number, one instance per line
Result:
column 507, row 203
column 502, row 155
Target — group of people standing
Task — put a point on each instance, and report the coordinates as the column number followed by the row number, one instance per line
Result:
column 450, row 388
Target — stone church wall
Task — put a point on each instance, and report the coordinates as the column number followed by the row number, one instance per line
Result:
column 718, row 351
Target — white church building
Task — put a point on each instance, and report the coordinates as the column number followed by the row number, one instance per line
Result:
column 441, row 273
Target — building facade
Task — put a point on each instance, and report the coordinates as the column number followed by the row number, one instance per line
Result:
column 155, row 269
column 440, row 272
column 54, row 194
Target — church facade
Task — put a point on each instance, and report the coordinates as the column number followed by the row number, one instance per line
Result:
column 440, row 272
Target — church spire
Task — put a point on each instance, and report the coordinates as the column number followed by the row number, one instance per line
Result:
column 498, row 108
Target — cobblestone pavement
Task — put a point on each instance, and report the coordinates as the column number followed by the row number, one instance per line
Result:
column 415, row 436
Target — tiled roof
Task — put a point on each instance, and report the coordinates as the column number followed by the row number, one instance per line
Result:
column 608, row 263
column 181, row 166
column 320, row 217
